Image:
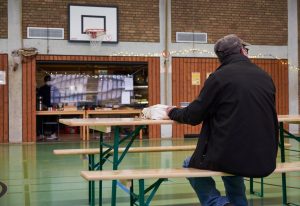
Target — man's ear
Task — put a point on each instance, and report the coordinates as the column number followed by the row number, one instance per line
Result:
column 244, row 52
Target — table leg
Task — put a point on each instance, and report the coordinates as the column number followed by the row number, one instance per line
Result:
column 116, row 159
column 251, row 185
column 131, row 194
column 84, row 133
column 91, row 183
column 100, row 167
column 87, row 133
column 115, row 164
column 141, row 134
column 85, row 129
column 141, row 192
column 282, row 153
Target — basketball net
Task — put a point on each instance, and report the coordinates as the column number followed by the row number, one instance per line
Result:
column 96, row 36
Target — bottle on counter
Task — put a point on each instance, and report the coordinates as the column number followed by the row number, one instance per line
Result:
column 40, row 103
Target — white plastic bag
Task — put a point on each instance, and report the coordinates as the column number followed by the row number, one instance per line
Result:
column 157, row 112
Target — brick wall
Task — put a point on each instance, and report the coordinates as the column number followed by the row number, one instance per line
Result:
column 3, row 19
column 138, row 19
column 261, row 22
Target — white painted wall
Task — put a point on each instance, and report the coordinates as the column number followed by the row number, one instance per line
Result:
column 293, row 60
column 3, row 46
column 65, row 47
column 15, row 77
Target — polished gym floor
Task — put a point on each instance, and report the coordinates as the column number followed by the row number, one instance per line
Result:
column 35, row 176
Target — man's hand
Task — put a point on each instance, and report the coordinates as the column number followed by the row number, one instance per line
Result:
column 169, row 109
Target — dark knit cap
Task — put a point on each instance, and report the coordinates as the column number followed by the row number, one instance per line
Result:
column 230, row 44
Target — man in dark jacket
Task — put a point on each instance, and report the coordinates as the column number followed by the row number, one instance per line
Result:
column 45, row 92
column 239, row 133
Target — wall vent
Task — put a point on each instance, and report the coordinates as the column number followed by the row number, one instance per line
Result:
column 191, row 37
column 45, row 33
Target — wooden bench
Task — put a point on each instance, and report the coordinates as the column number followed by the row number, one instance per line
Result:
column 131, row 150
column 162, row 175
column 91, row 152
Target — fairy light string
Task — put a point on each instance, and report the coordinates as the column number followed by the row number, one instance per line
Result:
column 184, row 52
column 199, row 52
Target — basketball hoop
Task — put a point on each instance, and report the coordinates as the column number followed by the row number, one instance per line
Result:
column 96, row 36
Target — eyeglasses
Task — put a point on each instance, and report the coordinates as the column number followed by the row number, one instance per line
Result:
column 247, row 50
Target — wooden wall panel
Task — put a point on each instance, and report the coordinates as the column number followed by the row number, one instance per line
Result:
column 25, row 124
column 278, row 69
column 33, row 102
column 184, row 91
column 29, row 98
column 154, row 91
column 4, row 101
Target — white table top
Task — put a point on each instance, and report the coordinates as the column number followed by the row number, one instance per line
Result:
column 114, row 111
column 112, row 121
column 56, row 112
column 139, row 121
column 289, row 118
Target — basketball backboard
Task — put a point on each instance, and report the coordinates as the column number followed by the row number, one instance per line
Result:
column 83, row 17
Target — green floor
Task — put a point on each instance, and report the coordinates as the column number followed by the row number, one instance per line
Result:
column 37, row 177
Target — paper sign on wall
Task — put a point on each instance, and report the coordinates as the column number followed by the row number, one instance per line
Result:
column 128, row 83
column 196, row 78
column 2, row 78
column 125, row 98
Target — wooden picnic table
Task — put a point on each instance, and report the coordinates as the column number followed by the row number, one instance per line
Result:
column 100, row 113
column 66, row 113
column 117, row 122
column 105, row 152
column 283, row 133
